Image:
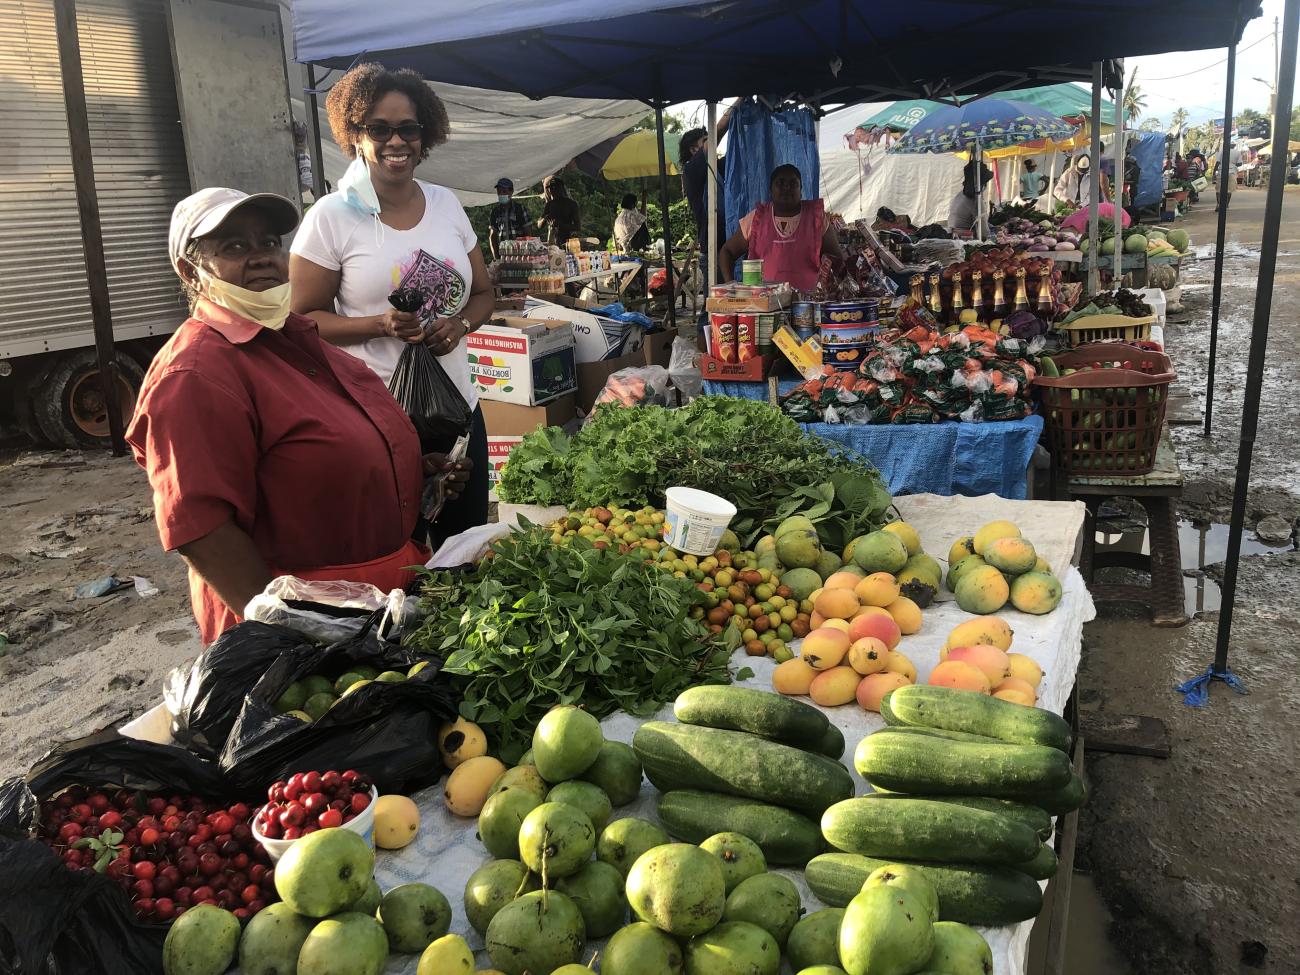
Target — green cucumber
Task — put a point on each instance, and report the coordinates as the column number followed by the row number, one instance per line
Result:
column 907, row 729
column 887, row 712
column 784, row 836
column 921, row 829
column 691, row 757
column 1058, row 802
column 1035, row 818
column 971, row 894
column 832, row 743
column 921, row 765
column 763, row 713
column 1042, row 866
column 978, row 714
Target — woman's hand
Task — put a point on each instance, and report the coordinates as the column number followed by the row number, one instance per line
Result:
column 457, row 472
column 444, row 334
column 404, row 325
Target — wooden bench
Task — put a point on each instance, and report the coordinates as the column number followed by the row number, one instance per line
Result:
column 1156, row 492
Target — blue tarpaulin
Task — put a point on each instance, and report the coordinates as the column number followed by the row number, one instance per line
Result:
column 761, row 140
column 1148, row 149
column 947, row 458
column 673, row 50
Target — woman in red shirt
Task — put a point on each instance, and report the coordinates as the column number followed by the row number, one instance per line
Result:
column 789, row 235
column 269, row 451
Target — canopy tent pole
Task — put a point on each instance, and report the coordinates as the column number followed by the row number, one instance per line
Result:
column 313, row 132
column 1117, row 183
column 1197, row 690
column 981, row 201
column 1219, row 244
column 711, row 255
column 663, row 202
column 1094, row 182
column 92, row 236
column 1051, row 182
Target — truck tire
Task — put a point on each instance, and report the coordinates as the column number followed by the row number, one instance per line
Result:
column 69, row 405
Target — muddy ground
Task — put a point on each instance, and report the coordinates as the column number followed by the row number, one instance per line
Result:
column 1196, row 858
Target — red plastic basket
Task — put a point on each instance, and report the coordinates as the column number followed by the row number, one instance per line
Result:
column 1106, row 419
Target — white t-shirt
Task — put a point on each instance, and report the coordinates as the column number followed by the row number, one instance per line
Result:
column 375, row 259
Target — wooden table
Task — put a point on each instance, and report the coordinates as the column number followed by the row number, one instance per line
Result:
column 1156, row 492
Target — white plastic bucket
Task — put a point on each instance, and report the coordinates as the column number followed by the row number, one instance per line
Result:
column 695, row 520
column 363, row 823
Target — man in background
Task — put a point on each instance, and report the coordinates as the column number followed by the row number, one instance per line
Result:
column 508, row 217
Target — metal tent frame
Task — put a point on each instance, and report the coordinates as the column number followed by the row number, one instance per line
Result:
column 663, row 51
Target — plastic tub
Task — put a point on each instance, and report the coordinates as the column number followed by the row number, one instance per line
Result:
column 751, row 272
column 363, row 824
column 695, row 520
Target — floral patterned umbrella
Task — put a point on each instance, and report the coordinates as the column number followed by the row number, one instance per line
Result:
column 990, row 123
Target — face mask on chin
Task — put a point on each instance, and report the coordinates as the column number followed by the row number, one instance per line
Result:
column 269, row 308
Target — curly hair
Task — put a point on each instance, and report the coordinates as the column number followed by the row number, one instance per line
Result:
column 354, row 95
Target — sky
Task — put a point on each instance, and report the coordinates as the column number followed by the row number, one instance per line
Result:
column 1193, row 80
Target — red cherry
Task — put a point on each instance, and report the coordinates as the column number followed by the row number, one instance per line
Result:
column 293, row 815
column 144, row 907
column 330, row 781
column 165, row 908
column 210, row 864
column 203, row 893
column 350, row 776
column 208, row 847
column 309, row 828
column 82, row 811
column 142, row 888
column 360, row 801
column 256, row 872
column 98, row 802
column 223, row 823
column 148, row 837
column 292, row 832
column 276, row 792
column 176, row 842
column 240, row 861
column 340, row 804
column 65, row 801
column 69, row 832
column 311, row 781
column 330, row 819
column 268, row 879
column 144, row 870
column 162, row 887
column 73, row 858
column 250, row 893
column 272, row 830
column 257, row 905
column 242, row 833
column 315, row 803
column 243, row 913
column 292, row 791
column 184, row 895
column 227, row 899
column 156, row 805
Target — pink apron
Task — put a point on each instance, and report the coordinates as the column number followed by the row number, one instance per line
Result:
column 795, row 258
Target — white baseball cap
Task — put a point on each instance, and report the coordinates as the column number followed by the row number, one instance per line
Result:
column 199, row 214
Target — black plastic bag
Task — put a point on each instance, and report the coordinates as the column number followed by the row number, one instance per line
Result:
column 205, row 696
column 388, row 731
column 424, row 390
column 56, row 921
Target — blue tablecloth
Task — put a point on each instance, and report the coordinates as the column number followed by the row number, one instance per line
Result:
column 935, row 458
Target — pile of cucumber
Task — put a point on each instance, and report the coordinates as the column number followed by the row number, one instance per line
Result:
column 966, row 786
column 745, row 761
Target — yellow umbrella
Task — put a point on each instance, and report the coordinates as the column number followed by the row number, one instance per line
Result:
column 636, row 155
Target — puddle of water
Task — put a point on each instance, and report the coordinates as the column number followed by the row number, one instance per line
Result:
column 1088, row 949
column 1200, row 544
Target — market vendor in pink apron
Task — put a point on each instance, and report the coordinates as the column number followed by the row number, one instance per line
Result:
column 790, row 235
column 269, row 451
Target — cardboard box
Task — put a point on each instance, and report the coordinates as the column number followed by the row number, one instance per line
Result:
column 522, row 360
column 597, row 339
column 753, row 370
column 749, row 303
column 507, row 424
column 592, row 376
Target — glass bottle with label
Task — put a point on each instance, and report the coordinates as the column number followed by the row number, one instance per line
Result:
column 936, row 299
column 958, row 302
column 999, row 298
column 977, row 295
column 1022, row 296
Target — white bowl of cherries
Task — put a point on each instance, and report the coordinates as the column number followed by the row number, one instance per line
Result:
column 310, row 801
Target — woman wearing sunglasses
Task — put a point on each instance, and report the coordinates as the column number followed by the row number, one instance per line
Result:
column 383, row 229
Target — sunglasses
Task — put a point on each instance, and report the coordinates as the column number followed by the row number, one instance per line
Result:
column 382, row 131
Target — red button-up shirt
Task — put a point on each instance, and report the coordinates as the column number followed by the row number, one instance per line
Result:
column 297, row 442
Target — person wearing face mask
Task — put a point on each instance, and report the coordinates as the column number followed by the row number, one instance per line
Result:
column 508, row 219
column 383, row 229
column 789, row 235
column 269, row 451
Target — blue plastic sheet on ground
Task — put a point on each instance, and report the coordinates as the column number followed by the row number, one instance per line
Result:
column 616, row 311
column 947, row 458
column 759, row 140
column 1196, row 692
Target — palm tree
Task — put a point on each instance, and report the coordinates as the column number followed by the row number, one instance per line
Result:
column 1179, row 119
column 1134, row 100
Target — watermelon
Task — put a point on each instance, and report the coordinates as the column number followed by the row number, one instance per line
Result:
column 1136, row 244
column 1179, row 239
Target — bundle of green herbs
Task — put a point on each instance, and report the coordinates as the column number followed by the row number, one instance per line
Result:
column 538, row 624
column 747, row 451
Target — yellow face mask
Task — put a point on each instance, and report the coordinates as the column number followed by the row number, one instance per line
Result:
column 268, row 308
